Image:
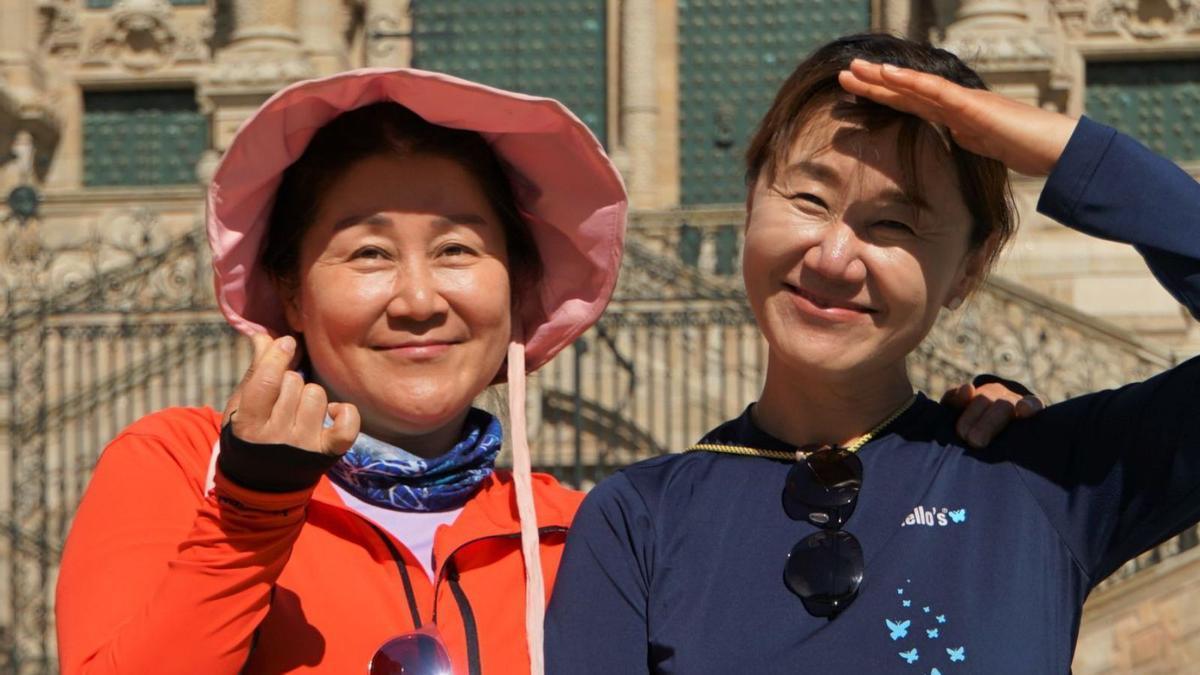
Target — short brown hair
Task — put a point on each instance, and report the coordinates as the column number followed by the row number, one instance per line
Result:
column 813, row 85
column 389, row 128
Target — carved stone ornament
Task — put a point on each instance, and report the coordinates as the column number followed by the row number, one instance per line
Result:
column 61, row 31
column 141, row 36
column 1143, row 19
column 258, row 74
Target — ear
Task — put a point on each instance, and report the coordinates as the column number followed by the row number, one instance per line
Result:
column 972, row 273
column 289, row 295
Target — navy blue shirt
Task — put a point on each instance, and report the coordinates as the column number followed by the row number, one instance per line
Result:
column 976, row 560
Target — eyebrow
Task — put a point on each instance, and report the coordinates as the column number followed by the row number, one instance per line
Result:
column 379, row 220
column 817, row 171
column 897, row 196
column 826, row 174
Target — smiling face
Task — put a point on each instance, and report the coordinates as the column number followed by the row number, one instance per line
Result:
column 402, row 293
column 845, row 267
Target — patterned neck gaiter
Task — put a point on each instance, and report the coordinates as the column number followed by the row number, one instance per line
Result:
column 384, row 475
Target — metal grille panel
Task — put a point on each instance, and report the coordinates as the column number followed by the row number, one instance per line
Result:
column 105, row 4
column 552, row 48
column 142, row 137
column 733, row 55
column 1158, row 102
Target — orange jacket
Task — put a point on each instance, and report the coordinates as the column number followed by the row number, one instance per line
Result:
column 158, row 577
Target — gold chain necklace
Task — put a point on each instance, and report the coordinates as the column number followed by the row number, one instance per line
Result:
column 793, row 455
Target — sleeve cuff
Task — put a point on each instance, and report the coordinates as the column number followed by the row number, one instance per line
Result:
column 1068, row 181
column 275, row 468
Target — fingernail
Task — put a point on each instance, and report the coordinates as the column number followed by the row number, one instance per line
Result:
column 890, row 68
column 287, row 343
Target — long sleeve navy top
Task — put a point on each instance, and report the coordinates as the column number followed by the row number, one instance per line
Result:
column 976, row 560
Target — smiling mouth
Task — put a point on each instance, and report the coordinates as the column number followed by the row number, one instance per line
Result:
column 826, row 304
column 417, row 345
column 418, row 351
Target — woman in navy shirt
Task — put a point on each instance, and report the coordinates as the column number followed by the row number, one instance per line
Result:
column 840, row 524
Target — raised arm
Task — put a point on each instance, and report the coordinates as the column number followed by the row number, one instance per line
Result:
column 1100, row 182
column 1116, row 471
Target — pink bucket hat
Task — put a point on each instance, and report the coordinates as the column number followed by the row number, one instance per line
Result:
column 566, row 188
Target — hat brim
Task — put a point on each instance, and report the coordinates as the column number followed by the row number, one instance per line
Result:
column 566, row 188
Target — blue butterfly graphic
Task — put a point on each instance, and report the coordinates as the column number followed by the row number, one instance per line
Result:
column 935, row 671
column 925, row 609
column 907, row 603
column 931, row 632
column 959, row 654
column 958, row 516
column 899, row 591
column 910, row 655
column 941, row 618
column 899, row 628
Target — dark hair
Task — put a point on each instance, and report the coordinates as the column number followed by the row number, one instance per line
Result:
column 813, row 85
column 387, row 128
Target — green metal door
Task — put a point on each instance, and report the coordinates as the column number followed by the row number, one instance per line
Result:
column 1157, row 102
column 142, row 137
column 552, row 48
column 733, row 54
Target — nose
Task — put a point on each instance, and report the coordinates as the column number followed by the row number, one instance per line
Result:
column 416, row 294
column 835, row 255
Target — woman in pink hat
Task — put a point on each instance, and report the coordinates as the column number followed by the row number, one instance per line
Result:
column 394, row 242
column 398, row 236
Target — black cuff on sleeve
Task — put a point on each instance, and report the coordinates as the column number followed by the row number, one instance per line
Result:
column 1013, row 385
column 275, row 467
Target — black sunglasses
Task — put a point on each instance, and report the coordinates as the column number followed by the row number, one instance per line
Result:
column 825, row 568
column 420, row 652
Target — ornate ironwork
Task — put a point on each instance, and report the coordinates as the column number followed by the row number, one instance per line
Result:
column 95, row 335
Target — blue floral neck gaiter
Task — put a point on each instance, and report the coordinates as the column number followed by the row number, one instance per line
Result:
column 384, row 475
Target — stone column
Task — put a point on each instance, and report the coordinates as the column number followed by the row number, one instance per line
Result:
column 322, row 25
column 24, row 103
column 18, row 32
column 263, row 56
column 1004, row 14
column 389, row 33
column 264, row 25
column 896, row 16
column 639, row 100
column 999, row 40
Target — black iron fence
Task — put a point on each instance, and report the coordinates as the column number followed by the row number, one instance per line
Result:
column 86, row 351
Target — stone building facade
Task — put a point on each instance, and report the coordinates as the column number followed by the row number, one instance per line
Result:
column 117, row 110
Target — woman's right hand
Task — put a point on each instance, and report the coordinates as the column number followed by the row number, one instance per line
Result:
column 1025, row 138
column 273, row 405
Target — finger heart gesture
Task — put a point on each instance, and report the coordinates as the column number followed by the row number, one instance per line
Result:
column 273, row 405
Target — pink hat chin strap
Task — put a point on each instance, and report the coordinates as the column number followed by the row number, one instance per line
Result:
column 535, row 584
